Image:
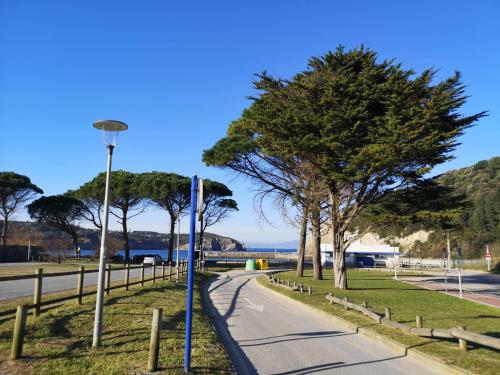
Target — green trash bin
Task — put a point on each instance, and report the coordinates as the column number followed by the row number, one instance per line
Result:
column 250, row 265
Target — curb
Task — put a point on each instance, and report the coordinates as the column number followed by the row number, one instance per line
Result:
column 399, row 348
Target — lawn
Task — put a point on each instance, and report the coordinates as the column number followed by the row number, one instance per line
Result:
column 407, row 301
column 59, row 341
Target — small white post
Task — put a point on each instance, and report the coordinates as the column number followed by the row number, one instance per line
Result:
column 460, row 281
column 448, row 250
column 488, row 258
column 29, row 251
column 445, row 281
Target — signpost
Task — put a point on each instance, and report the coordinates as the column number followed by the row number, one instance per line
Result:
column 196, row 190
column 488, row 257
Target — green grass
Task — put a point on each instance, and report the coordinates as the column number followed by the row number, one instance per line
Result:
column 59, row 341
column 407, row 301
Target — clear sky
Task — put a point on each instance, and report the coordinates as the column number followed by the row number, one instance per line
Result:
column 179, row 71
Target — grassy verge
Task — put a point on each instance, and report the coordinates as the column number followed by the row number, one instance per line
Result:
column 59, row 341
column 407, row 301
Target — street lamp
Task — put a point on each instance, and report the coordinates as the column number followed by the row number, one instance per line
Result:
column 110, row 129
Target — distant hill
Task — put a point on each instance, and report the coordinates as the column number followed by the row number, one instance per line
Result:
column 22, row 231
column 480, row 184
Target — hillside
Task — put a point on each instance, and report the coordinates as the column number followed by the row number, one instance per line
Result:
column 22, row 231
column 480, row 184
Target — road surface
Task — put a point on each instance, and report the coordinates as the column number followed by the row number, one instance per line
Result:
column 480, row 287
column 22, row 288
column 264, row 334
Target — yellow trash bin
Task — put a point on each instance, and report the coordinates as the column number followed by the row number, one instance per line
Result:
column 262, row 264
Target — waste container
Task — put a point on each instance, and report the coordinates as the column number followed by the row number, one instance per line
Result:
column 250, row 265
column 262, row 264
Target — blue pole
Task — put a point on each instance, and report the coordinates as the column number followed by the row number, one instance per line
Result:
column 189, row 303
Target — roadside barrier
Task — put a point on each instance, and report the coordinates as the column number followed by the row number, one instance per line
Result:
column 22, row 310
column 464, row 337
column 154, row 344
column 38, row 277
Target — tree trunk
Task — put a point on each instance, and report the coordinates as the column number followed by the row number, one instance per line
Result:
column 170, row 250
column 3, row 239
column 316, row 238
column 302, row 242
column 125, row 240
column 338, row 245
column 74, row 240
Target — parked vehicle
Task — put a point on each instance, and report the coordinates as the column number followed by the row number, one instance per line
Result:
column 148, row 259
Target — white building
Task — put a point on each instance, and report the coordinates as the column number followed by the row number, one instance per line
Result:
column 363, row 253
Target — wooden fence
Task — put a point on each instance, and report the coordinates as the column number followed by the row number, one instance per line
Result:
column 459, row 333
column 38, row 277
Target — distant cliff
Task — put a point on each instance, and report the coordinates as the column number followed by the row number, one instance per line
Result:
column 22, row 231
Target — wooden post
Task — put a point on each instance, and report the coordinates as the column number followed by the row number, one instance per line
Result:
column 37, row 293
column 365, row 304
column 309, row 290
column 142, row 274
column 288, row 283
column 108, row 278
column 79, row 286
column 388, row 313
column 19, row 329
column 154, row 344
column 163, row 270
column 419, row 322
column 347, row 300
column 127, row 275
column 462, row 344
column 154, row 273
column 301, row 288
column 170, row 271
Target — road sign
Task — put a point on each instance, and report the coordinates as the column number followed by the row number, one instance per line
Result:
column 487, row 255
column 199, row 202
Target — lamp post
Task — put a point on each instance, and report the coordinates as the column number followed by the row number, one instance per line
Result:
column 110, row 129
column 177, row 251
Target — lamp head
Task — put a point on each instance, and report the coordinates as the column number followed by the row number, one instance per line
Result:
column 110, row 129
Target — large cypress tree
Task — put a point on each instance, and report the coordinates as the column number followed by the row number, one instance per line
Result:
column 367, row 126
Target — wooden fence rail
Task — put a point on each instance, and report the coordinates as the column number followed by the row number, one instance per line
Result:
column 80, row 293
column 454, row 333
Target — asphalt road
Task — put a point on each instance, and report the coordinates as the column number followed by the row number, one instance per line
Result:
column 472, row 281
column 264, row 334
column 22, row 288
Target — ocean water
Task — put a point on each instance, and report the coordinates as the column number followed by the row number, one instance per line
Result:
column 182, row 253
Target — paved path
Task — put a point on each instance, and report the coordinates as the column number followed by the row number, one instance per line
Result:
column 268, row 335
column 480, row 287
column 22, row 288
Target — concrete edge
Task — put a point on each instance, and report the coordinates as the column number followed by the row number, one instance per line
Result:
column 205, row 306
column 384, row 340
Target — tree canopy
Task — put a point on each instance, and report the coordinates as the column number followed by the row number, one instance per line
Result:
column 366, row 126
column 15, row 190
column 216, row 205
column 126, row 200
column 170, row 192
column 58, row 212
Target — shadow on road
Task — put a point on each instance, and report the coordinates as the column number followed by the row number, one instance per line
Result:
column 238, row 357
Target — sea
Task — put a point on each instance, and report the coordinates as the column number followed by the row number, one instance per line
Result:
column 182, row 253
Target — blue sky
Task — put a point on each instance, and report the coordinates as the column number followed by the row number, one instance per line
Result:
column 179, row 72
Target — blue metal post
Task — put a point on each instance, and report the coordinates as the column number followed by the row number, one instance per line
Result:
column 189, row 303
